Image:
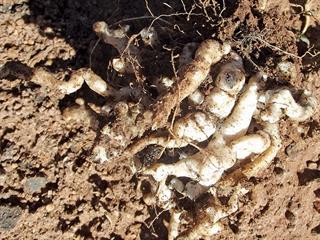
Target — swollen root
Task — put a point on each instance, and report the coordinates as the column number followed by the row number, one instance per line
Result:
column 94, row 82
column 281, row 102
column 209, row 52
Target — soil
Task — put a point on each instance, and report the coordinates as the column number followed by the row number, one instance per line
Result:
column 49, row 186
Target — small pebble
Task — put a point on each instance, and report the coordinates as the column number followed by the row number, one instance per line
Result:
column 9, row 217
column 35, row 184
column 312, row 165
column 50, row 208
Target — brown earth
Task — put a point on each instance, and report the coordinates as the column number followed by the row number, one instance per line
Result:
column 49, row 187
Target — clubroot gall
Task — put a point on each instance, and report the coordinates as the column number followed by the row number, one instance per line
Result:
column 214, row 125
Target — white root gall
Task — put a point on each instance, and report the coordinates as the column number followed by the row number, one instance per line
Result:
column 119, row 40
column 173, row 229
column 219, row 103
column 281, row 102
column 100, row 154
column 202, row 170
column 196, row 98
column 208, row 53
column 194, row 127
column 210, row 133
column 228, row 112
column 121, row 66
column 207, row 222
column 231, row 78
column 94, row 82
column 262, row 161
column 239, row 120
column 229, row 83
column 47, row 80
column 211, row 127
column 247, row 145
column 115, row 37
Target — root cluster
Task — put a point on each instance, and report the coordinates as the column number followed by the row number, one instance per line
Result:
column 212, row 116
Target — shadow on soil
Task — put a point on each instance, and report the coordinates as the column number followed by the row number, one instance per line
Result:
column 73, row 20
column 312, row 62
